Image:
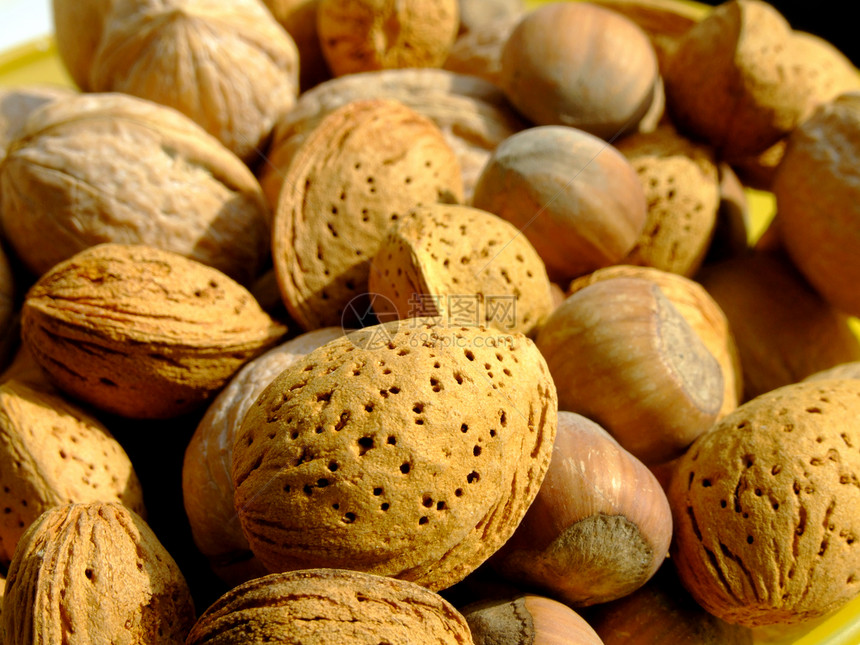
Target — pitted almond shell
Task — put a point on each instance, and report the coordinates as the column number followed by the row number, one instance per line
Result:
column 230, row 67
column 765, row 507
column 142, row 332
column 367, row 35
column 461, row 264
column 207, row 486
column 700, row 311
column 96, row 570
column 320, row 606
column 473, row 115
column 736, row 81
column 682, row 188
column 53, row 453
column 159, row 180
column 363, row 167
column 404, row 449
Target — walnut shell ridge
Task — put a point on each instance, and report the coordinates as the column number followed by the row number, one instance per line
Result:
column 765, row 507
column 403, row 449
column 141, row 332
column 228, row 66
column 159, row 179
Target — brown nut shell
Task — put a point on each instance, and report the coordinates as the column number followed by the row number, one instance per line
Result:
column 700, row 311
column 94, row 569
column 367, row 35
column 207, row 486
column 575, row 197
column 321, row 606
column 461, row 265
column 622, row 340
column 741, row 79
column 599, row 527
column 78, row 26
column 228, row 66
column 364, row 166
column 141, row 332
column 528, row 619
column 158, row 180
column 53, row 453
column 817, row 189
column 580, row 65
column 765, row 507
column 402, row 449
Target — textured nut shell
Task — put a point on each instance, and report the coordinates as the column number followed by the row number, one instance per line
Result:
column 321, row 606
column 7, row 307
column 78, row 26
column 458, row 255
column 681, row 183
column 622, row 340
column 527, row 620
column 94, row 570
column 478, row 51
column 366, row 455
column 784, row 331
column 579, row 65
column 765, row 507
column 142, row 332
column 575, row 197
column 159, row 180
column 736, row 81
column 700, row 311
column 299, row 18
column 663, row 612
column 472, row 114
column 817, row 189
column 53, row 453
column 228, row 66
column 600, row 525
column 366, row 164
column 206, row 482
column 367, row 35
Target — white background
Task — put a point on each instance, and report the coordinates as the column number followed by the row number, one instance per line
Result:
column 23, row 20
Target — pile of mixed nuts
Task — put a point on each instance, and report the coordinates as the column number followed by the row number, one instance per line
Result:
column 436, row 321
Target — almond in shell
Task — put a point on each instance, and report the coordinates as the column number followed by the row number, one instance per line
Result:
column 207, row 486
column 403, row 449
column 461, row 264
column 320, row 606
column 363, row 167
column 98, row 572
column 53, row 453
column 142, row 332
